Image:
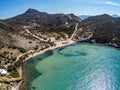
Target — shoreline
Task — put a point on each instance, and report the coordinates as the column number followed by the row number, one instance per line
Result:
column 58, row 45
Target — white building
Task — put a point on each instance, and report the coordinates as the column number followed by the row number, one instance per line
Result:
column 3, row 72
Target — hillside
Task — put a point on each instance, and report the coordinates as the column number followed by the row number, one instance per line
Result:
column 43, row 18
column 100, row 29
column 24, row 35
column 40, row 23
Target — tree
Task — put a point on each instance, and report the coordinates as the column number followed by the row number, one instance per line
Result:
column 11, row 68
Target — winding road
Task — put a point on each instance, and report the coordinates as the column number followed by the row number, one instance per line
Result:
column 26, row 29
column 76, row 28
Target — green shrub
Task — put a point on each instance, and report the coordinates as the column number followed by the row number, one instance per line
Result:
column 14, row 74
column 22, row 50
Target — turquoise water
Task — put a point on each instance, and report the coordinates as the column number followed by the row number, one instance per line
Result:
column 76, row 67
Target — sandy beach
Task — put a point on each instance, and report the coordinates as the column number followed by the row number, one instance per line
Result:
column 58, row 44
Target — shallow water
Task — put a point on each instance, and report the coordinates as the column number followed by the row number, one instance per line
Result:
column 76, row 67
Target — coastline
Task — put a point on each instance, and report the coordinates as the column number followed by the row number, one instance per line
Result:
column 47, row 71
column 58, row 45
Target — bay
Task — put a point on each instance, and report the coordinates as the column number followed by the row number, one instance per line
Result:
column 80, row 66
